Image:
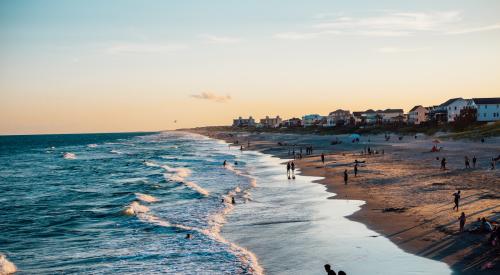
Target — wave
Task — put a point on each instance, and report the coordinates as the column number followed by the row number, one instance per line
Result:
column 252, row 180
column 116, row 152
column 197, row 188
column 145, row 198
column 135, row 208
column 93, row 145
column 6, row 266
column 151, row 164
column 68, row 155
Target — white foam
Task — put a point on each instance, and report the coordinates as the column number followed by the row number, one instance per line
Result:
column 116, row 152
column 135, row 208
column 6, row 266
column 92, row 145
column 196, row 187
column 151, row 164
column 146, row 198
column 68, row 155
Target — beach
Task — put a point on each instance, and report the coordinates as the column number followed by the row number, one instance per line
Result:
column 408, row 198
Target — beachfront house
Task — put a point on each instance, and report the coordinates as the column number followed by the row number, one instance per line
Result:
column 391, row 116
column 417, row 115
column 454, row 106
column 369, row 117
column 488, row 109
column 244, row 122
column 338, row 118
column 312, row 120
column 292, row 123
column 358, row 117
column 437, row 114
column 270, row 122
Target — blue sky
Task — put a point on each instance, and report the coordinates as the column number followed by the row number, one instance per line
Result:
column 72, row 66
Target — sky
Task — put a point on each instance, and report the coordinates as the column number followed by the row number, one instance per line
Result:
column 116, row 66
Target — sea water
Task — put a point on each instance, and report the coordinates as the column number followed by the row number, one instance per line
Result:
column 125, row 204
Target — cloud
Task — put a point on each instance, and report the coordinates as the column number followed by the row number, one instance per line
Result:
column 386, row 24
column 140, row 48
column 401, row 50
column 477, row 29
column 214, row 39
column 212, row 97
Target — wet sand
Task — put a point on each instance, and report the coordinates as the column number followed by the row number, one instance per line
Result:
column 408, row 198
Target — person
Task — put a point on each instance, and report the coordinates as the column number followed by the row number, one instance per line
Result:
column 443, row 163
column 492, row 164
column 224, row 163
column 342, row 272
column 482, row 140
column 462, row 222
column 292, row 166
column 323, row 158
column 346, row 177
column 467, row 163
column 474, row 160
column 233, row 201
column 329, row 270
column 486, row 226
column 288, row 170
column 456, row 199
column 235, row 163
column 356, row 169
column 188, row 236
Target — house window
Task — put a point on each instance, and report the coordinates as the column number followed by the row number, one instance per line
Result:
column 455, row 107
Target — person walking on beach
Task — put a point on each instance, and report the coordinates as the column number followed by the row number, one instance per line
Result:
column 288, row 170
column 443, row 164
column 474, row 160
column 456, row 199
column 467, row 162
column 323, row 158
column 462, row 222
column 346, row 177
column 356, row 169
column 224, row 163
column 329, row 270
column 293, row 169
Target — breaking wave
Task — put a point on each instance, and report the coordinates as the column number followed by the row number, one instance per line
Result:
column 6, row 266
column 68, row 155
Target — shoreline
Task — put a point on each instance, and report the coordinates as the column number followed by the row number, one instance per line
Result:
column 415, row 227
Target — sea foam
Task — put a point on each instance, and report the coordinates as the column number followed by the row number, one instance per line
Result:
column 6, row 266
column 68, row 155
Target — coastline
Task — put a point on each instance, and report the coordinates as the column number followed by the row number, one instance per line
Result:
column 421, row 226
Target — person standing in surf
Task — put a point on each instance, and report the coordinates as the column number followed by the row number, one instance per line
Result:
column 356, row 169
column 323, row 158
column 346, row 177
column 293, row 170
column 288, row 170
column 456, row 199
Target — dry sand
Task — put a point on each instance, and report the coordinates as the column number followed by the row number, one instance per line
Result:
column 408, row 198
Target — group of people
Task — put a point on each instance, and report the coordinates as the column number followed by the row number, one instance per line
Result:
column 467, row 163
column 330, row 271
column 370, row 151
column 290, row 170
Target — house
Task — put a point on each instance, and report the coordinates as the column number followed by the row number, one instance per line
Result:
column 244, row 122
column 390, row 115
column 369, row 117
column 292, row 122
column 488, row 109
column 358, row 117
column 417, row 115
column 311, row 120
column 454, row 106
column 437, row 114
column 271, row 122
column 338, row 118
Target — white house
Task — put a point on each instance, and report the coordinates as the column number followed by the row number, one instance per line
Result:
column 312, row 119
column 338, row 117
column 454, row 106
column 418, row 114
column 244, row 122
column 391, row 115
column 488, row 109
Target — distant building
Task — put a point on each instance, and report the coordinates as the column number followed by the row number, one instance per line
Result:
column 369, row 117
column 311, row 120
column 358, row 117
column 391, row 115
column 453, row 107
column 418, row 114
column 338, row 118
column 488, row 109
column 437, row 114
column 271, row 122
column 244, row 122
column 292, row 123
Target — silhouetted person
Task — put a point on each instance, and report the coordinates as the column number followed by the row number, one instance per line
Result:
column 443, row 163
column 292, row 166
column 323, row 158
column 474, row 160
column 356, row 170
column 188, row 236
column 467, row 162
column 232, row 200
column 329, row 270
column 342, row 273
column 456, row 199
column 288, row 170
column 462, row 222
column 224, row 163
column 346, row 177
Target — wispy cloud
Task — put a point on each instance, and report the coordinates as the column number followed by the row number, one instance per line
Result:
column 401, row 50
column 138, row 48
column 212, row 97
column 476, row 29
column 387, row 24
column 215, row 39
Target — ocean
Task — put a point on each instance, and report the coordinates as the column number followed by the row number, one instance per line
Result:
column 160, row 203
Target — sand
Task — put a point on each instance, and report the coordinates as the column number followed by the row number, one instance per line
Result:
column 408, row 197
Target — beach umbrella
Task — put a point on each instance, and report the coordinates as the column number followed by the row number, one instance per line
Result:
column 354, row 136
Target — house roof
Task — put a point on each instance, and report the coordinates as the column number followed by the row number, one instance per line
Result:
column 415, row 108
column 449, row 101
column 357, row 113
column 391, row 111
column 490, row 100
column 369, row 111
